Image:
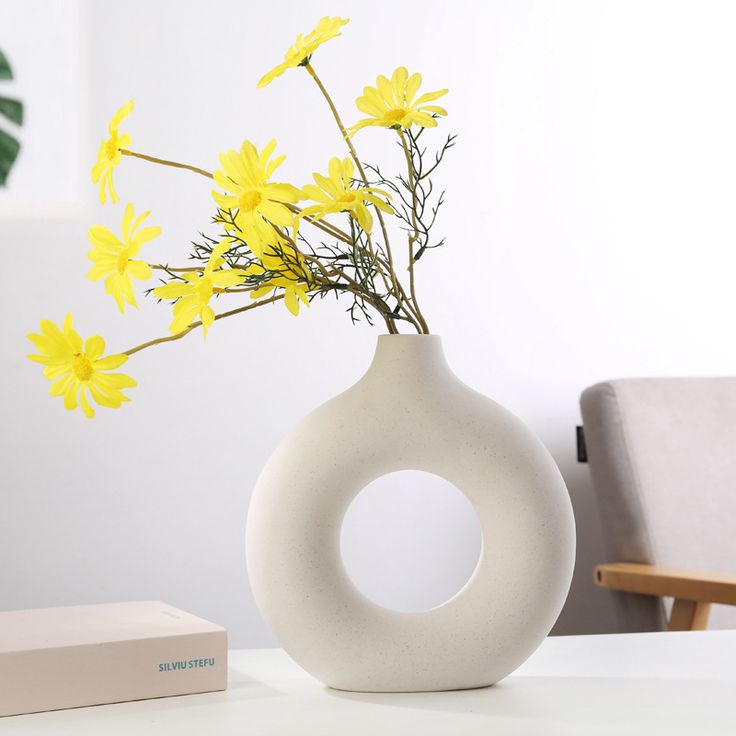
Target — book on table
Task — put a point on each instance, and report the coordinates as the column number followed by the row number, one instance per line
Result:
column 53, row 658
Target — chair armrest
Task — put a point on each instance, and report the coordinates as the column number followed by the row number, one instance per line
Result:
column 707, row 587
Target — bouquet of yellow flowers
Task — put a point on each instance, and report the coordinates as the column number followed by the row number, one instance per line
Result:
column 275, row 241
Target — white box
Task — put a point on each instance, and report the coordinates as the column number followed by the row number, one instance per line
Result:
column 53, row 658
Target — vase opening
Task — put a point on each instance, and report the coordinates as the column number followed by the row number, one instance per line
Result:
column 410, row 541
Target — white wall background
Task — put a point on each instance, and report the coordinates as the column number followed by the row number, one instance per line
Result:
column 49, row 86
column 590, row 235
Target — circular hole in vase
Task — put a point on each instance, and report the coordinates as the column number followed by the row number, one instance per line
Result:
column 410, row 541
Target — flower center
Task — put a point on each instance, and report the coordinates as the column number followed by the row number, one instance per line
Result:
column 122, row 262
column 395, row 115
column 348, row 198
column 249, row 200
column 112, row 147
column 82, row 367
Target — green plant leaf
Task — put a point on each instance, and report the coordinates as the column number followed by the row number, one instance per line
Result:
column 9, row 148
column 5, row 71
column 12, row 110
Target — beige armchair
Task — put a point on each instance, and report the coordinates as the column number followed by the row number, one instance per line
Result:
column 662, row 456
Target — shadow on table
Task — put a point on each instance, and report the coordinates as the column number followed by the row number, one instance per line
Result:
column 577, row 700
column 248, row 687
column 240, row 688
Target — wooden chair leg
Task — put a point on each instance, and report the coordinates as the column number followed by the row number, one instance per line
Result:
column 688, row 615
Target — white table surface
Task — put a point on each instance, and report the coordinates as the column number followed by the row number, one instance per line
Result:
column 668, row 683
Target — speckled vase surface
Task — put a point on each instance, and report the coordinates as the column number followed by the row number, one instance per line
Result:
column 409, row 411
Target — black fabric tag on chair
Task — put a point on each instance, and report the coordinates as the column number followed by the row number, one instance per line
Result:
column 582, row 450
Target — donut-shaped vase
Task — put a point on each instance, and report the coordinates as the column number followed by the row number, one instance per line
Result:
column 409, row 411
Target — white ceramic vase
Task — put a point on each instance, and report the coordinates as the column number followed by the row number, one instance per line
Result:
column 409, row 411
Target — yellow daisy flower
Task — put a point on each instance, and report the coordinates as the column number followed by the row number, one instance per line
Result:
column 109, row 154
column 305, row 46
column 293, row 277
column 113, row 258
column 244, row 177
column 391, row 104
column 334, row 193
column 76, row 368
column 197, row 289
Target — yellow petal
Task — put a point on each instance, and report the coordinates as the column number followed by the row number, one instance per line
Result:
column 104, row 239
column 70, row 395
column 120, row 115
column 58, row 388
column 111, row 362
column 291, row 301
column 109, row 381
column 139, row 270
column 86, row 408
column 139, row 221
column 429, row 96
column 173, row 290
column 52, row 372
column 207, row 315
column 71, row 335
column 127, row 222
column 230, row 277
column 94, row 347
column 412, row 86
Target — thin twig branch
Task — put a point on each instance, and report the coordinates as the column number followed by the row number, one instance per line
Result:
column 165, row 162
column 194, row 325
column 168, row 269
